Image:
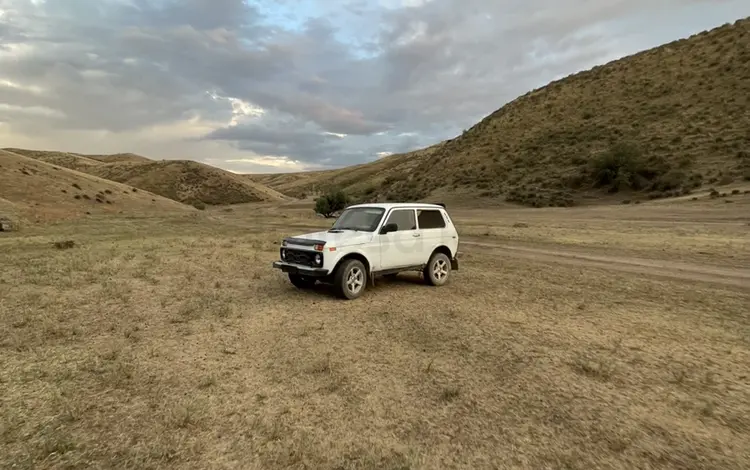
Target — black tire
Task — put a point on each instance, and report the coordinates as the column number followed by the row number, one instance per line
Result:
column 438, row 269
column 350, row 279
column 302, row 282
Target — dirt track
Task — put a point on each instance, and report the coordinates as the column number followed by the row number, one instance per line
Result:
column 671, row 269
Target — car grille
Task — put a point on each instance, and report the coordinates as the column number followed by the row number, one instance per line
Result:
column 305, row 258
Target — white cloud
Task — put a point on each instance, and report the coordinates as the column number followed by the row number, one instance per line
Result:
column 32, row 89
column 269, row 163
column 31, row 110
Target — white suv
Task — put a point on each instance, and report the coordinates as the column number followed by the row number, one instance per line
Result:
column 368, row 240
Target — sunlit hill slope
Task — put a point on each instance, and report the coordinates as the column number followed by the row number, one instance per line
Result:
column 185, row 181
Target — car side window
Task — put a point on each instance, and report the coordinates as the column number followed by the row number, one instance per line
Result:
column 404, row 218
column 430, row 218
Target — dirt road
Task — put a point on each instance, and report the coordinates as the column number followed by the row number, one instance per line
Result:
column 661, row 268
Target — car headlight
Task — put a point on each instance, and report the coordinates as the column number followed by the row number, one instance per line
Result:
column 318, row 259
column 283, row 254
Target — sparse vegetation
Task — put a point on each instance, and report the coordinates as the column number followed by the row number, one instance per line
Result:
column 574, row 362
column 64, row 245
column 180, row 180
column 49, row 194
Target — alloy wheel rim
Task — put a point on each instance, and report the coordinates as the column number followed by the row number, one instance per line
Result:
column 355, row 280
column 440, row 270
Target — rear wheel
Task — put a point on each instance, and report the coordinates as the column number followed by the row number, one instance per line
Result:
column 302, row 282
column 438, row 269
column 350, row 279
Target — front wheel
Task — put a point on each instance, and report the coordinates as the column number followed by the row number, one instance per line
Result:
column 302, row 282
column 350, row 279
column 438, row 269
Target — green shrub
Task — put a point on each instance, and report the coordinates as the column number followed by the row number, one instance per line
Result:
column 616, row 168
column 331, row 202
column 623, row 167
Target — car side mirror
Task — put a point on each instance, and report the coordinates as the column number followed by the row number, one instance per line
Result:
column 387, row 228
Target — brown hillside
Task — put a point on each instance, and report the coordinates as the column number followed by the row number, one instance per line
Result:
column 189, row 182
column 658, row 123
column 35, row 191
column 68, row 160
column 118, row 158
column 75, row 160
column 366, row 179
column 181, row 180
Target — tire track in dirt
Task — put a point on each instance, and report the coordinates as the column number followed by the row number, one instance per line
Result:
column 671, row 269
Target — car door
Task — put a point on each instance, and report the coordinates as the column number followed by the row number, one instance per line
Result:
column 404, row 246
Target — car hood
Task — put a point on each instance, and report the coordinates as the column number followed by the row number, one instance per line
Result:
column 334, row 238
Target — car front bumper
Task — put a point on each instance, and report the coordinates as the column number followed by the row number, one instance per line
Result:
column 301, row 270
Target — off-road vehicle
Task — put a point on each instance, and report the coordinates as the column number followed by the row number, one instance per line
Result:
column 369, row 240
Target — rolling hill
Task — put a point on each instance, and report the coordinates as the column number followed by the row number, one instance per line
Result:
column 35, row 191
column 658, row 123
column 180, row 180
column 188, row 181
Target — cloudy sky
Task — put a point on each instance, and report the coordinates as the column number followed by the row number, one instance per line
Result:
column 287, row 85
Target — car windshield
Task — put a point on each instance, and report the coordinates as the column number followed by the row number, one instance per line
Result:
column 359, row 218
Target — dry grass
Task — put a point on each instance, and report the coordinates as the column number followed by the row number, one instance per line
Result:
column 184, row 181
column 169, row 342
column 705, row 230
column 33, row 191
column 682, row 106
column 118, row 158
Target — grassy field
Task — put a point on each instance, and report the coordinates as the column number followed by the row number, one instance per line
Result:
column 169, row 342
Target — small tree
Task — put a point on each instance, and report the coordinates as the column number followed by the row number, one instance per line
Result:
column 330, row 203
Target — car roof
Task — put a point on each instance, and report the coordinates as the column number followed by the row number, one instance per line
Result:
column 390, row 205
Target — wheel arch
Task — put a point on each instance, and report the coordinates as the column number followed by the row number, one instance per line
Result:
column 353, row 255
column 443, row 249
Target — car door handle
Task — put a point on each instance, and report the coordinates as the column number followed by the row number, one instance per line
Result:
column 415, row 235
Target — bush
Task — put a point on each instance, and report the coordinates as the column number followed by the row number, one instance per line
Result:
column 330, row 203
column 617, row 168
column 64, row 245
column 673, row 179
column 623, row 167
column 200, row 205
